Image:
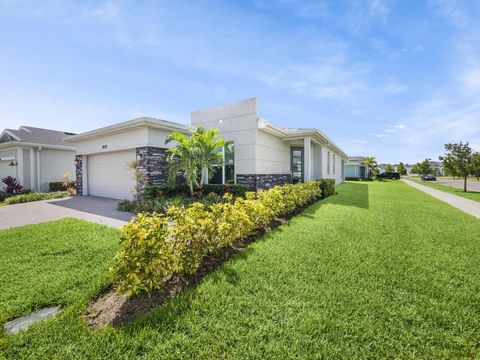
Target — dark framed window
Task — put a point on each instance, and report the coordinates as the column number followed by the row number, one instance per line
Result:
column 296, row 164
column 225, row 174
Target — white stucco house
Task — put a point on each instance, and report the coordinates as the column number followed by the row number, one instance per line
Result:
column 261, row 154
column 35, row 156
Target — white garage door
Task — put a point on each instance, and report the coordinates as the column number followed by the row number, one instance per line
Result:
column 109, row 176
column 6, row 170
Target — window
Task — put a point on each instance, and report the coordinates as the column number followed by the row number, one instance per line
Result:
column 334, row 164
column 296, row 157
column 328, row 162
column 225, row 174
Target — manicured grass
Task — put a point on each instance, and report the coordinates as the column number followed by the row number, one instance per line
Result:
column 61, row 262
column 381, row 270
column 472, row 195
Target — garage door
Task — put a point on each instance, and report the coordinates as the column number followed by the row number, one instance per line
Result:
column 6, row 170
column 109, row 176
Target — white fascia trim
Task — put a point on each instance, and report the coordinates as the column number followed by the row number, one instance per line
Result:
column 35, row 145
column 11, row 134
column 127, row 125
column 268, row 127
column 110, row 150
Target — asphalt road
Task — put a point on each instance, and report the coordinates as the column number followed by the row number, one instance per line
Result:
column 471, row 184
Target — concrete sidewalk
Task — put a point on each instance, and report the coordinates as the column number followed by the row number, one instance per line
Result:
column 466, row 205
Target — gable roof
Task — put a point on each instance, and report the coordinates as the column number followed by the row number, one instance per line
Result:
column 34, row 136
column 135, row 123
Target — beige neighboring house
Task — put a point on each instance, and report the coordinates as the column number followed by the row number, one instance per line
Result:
column 260, row 153
column 35, row 156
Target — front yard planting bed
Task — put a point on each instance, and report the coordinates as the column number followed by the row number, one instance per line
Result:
column 381, row 270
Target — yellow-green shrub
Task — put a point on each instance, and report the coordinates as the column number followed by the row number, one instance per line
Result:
column 156, row 246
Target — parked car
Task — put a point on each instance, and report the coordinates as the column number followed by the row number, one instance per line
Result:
column 429, row 177
column 388, row 175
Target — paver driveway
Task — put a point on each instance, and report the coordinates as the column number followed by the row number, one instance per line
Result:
column 99, row 210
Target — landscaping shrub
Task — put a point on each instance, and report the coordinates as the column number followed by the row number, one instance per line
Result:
column 60, row 185
column 161, row 204
column 327, row 186
column 12, row 186
column 152, row 192
column 156, row 246
column 3, row 196
column 28, row 197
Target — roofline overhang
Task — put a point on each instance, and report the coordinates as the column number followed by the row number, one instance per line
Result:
column 316, row 135
column 6, row 131
column 128, row 125
column 16, row 144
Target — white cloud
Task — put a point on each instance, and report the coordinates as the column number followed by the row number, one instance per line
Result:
column 395, row 88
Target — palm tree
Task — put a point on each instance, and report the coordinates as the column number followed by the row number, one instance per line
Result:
column 208, row 145
column 194, row 155
column 371, row 163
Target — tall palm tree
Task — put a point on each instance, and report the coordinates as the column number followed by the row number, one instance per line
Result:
column 194, row 155
column 371, row 163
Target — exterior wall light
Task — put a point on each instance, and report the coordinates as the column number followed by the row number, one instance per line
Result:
column 13, row 163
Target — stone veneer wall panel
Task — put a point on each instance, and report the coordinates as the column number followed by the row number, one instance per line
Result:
column 263, row 181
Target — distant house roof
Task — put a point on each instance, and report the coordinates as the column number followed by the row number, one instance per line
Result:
column 34, row 136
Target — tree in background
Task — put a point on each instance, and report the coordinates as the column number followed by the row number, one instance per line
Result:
column 401, row 169
column 460, row 160
column 415, row 169
column 389, row 168
column 371, row 164
column 424, row 167
column 476, row 161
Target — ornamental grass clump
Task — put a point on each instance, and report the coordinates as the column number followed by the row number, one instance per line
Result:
column 157, row 246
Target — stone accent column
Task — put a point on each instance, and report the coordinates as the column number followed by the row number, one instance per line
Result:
column 152, row 162
column 79, row 174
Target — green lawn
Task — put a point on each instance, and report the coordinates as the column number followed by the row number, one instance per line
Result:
column 472, row 195
column 61, row 262
column 381, row 270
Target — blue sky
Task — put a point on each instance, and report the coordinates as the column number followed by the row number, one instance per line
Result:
column 393, row 79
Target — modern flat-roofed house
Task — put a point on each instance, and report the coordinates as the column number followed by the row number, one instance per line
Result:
column 355, row 168
column 259, row 154
column 35, row 156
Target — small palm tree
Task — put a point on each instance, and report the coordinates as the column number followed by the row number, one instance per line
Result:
column 194, row 155
column 371, row 163
column 138, row 176
column 208, row 144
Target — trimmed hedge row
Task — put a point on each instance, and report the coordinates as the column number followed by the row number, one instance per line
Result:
column 156, row 246
column 152, row 192
column 18, row 199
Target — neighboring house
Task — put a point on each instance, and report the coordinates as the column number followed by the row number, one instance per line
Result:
column 35, row 157
column 260, row 154
column 355, row 168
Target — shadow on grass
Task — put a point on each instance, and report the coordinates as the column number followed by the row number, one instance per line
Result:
column 357, row 195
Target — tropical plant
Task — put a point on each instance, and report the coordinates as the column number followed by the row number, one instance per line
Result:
column 69, row 185
column 460, row 160
column 138, row 176
column 12, row 186
column 195, row 156
column 371, row 164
